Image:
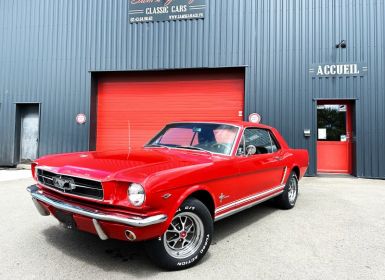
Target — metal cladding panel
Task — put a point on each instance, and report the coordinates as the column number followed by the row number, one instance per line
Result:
column 303, row 33
column 39, row 65
column 49, row 47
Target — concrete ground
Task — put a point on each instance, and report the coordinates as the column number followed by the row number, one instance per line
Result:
column 14, row 174
column 336, row 231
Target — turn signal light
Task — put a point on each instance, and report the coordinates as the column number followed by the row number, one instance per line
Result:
column 33, row 170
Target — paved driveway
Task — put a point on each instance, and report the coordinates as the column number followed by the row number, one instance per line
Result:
column 336, row 231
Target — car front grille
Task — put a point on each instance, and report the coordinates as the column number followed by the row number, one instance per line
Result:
column 71, row 185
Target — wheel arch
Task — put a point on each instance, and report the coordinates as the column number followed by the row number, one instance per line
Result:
column 201, row 193
column 296, row 170
column 205, row 197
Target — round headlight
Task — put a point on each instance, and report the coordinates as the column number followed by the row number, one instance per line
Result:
column 136, row 194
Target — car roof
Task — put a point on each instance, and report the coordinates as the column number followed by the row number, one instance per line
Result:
column 235, row 123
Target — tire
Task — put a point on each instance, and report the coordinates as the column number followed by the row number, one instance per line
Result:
column 192, row 222
column 288, row 198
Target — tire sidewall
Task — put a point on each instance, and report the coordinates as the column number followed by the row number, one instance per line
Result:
column 157, row 247
column 282, row 201
column 291, row 177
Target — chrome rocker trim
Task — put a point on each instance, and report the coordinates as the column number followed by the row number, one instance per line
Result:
column 250, row 202
column 37, row 195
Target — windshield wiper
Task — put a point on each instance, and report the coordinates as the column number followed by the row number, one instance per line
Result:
column 158, row 145
column 193, row 148
column 178, row 146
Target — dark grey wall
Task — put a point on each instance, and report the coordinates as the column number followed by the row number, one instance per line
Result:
column 47, row 49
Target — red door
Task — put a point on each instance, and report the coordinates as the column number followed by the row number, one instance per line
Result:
column 334, row 141
column 262, row 170
column 132, row 107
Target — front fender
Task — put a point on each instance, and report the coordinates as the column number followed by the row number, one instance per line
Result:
column 181, row 196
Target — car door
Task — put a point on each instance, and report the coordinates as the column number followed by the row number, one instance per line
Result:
column 261, row 163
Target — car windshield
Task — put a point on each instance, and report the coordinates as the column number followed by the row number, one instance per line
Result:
column 210, row 137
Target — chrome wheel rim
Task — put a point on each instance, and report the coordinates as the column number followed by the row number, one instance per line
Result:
column 292, row 191
column 184, row 235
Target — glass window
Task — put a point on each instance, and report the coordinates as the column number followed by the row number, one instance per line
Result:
column 331, row 122
column 179, row 136
column 257, row 141
column 211, row 137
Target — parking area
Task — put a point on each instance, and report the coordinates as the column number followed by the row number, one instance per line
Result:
column 336, row 231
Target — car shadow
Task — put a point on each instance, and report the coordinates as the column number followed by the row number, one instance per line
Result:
column 130, row 258
column 108, row 255
column 237, row 222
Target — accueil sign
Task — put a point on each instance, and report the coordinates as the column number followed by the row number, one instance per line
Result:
column 334, row 70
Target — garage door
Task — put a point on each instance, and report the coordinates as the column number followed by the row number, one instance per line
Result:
column 133, row 107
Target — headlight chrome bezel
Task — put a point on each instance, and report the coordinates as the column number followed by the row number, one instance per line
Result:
column 136, row 194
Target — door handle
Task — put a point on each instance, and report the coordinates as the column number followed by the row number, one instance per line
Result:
column 277, row 158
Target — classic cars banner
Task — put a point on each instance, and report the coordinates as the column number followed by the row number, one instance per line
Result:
column 163, row 10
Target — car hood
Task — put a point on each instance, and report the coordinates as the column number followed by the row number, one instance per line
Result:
column 134, row 166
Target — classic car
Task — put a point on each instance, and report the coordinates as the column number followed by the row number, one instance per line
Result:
column 169, row 192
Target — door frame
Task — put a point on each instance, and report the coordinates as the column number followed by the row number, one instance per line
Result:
column 97, row 75
column 353, row 120
column 17, row 131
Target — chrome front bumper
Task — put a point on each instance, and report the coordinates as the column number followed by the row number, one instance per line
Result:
column 37, row 195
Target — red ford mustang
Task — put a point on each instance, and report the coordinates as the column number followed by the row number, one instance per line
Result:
column 172, row 190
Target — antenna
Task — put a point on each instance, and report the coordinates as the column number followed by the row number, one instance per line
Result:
column 129, row 136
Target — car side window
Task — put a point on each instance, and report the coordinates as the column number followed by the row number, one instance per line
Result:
column 257, row 141
column 274, row 145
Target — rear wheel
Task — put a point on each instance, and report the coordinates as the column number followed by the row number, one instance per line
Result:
column 289, row 196
column 186, row 240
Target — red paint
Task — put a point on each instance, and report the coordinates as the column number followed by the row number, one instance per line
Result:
column 133, row 107
column 177, row 172
column 336, row 156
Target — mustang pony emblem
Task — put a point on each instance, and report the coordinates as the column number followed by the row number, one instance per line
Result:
column 64, row 183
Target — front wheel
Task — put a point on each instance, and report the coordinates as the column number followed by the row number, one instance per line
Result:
column 186, row 240
column 290, row 193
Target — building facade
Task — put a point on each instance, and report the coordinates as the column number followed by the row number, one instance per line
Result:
column 96, row 74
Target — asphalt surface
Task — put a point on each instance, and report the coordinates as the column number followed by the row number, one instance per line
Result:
column 336, row 231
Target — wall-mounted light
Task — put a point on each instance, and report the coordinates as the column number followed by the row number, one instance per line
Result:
column 306, row 132
column 341, row 45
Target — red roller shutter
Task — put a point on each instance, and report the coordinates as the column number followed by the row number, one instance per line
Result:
column 133, row 107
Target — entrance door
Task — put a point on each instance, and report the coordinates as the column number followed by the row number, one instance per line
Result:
column 29, row 132
column 334, row 141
